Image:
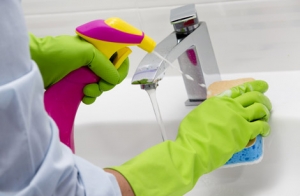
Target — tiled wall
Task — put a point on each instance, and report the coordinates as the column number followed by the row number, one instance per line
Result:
column 247, row 35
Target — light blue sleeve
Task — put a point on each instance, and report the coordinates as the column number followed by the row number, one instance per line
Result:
column 33, row 160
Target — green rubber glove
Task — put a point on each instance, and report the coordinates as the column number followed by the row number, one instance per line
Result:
column 58, row 56
column 207, row 138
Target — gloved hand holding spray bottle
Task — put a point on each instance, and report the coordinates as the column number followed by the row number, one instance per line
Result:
column 112, row 37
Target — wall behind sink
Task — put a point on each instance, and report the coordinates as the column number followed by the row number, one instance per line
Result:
column 247, row 35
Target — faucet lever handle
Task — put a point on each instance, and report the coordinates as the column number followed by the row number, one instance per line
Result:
column 184, row 19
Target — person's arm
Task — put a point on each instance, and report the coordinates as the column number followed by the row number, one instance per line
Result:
column 14, row 54
column 207, row 138
column 34, row 161
column 124, row 185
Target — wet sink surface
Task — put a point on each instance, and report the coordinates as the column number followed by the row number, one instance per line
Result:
column 121, row 124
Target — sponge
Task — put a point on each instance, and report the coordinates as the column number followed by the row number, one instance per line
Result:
column 220, row 86
column 249, row 155
column 253, row 152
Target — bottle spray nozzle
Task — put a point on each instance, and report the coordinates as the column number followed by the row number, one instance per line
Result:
column 115, row 35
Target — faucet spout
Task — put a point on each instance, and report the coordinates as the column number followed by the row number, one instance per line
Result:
column 192, row 47
column 152, row 68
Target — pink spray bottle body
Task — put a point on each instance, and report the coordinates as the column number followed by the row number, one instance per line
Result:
column 111, row 37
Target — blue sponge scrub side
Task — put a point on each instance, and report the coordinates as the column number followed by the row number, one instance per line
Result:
column 248, row 155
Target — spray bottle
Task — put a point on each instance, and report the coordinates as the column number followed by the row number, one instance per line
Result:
column 112, row 37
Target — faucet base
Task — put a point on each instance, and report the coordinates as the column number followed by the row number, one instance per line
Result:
column 190, row 102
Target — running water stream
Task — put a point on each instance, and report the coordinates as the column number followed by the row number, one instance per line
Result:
column 152, row 96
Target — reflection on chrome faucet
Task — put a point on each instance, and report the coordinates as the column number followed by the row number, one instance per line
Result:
column 190, row 44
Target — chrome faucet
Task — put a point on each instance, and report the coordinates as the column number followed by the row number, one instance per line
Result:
column 190, row 44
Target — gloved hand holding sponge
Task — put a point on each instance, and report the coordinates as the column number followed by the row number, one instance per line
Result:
column 207, row 138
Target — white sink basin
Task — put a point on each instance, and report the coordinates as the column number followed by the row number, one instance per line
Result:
column 122, row 124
